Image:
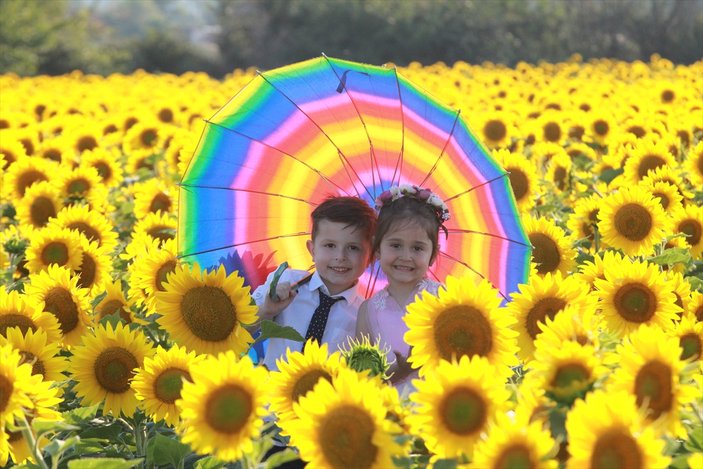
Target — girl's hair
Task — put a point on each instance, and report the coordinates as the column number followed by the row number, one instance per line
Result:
column 407, row 210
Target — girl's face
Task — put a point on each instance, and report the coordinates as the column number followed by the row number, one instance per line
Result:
column 405, row 254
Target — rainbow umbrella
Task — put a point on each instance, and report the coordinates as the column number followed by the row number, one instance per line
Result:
column 299, row 133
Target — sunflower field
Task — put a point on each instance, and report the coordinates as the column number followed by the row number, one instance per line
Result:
column 109, row 358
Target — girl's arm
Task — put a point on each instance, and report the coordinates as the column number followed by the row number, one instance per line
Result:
column 363, row 328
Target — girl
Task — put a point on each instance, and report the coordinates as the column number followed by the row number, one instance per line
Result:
column 405, row 244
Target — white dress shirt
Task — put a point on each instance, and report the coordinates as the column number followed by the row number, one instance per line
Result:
column 341, row 323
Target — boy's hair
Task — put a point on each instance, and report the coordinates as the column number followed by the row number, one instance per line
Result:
column 352, row 211
column 407, row 210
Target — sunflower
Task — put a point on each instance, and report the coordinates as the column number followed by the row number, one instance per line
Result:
column 574, row 323
column 37, row 351
column 651, row 370
column 600, row 127
column 582, row 150
column 159, row 226
column 646, row 156
column 550, row 127
column 55, row 150
column 11, row 151
column 464, row 319
column 558, row 171
column 605, row 430
column 140, row 160
column 40, row 203
column 695, row 306
column 665, row 193
column 681, row 289
column 145, row 135
column 85, row 137
column 584, row 221
column 342, row 424
column 689, row 221
column 17, row 310
column 104, row 364
column 690, row 335
column 79, row 183
column 497, row 128
column 113, row 302
column 551, row 249
column 206, row 311
column 542, row 298
column 23, row 173
column 669, row 175
column 634, row 293
column 92, row 224
column 157, row 385
column 522, row 175
column 96, row 266
column 631, row 220
column 543, row 152
column 223, row 407
column 515, row 442
column 106, row 163
column 592, row 270
column 298, row 374
column 694, row 165
column 57, row 289
column 15, row 381
column 153, row 196
column 565, row 373
column 149, row 270
column 455, row 403
column 52, row 246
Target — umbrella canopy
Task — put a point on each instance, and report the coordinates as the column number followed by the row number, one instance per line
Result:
column 299, row 133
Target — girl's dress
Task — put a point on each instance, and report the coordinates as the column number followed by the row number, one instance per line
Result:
column 386, row 323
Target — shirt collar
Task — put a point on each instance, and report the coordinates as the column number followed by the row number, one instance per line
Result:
column 349, row 294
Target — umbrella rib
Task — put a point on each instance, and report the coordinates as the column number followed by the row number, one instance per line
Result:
column 476, row 187
column 399, row 162
column 492, row 235
column 261, row 240
column 444, row 148
column 314, row 170
column 372, row 151
column 472, row 270
column 344, row 159
column 247, row 190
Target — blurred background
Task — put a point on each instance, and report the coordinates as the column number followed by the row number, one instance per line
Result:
column 217, row 36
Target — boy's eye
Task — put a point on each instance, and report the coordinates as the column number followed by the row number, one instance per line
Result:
column 329, row 245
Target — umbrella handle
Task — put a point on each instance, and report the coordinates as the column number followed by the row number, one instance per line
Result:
column 274, row 281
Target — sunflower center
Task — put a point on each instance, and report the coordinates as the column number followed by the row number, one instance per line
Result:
column 462, row 330
column 167, row 386
column 112, row 307
column 663, row 199
column 31, row 359
column 570, row 377
column 691, row 345
column 59, row 302
column 78, row 186
column 637, row 130
column 633, row 221
column 228, row 409
column 693, row 229
column 103, row 169
column 463, row 411
column 560, row 178
column 87, row 142
column 700, row 163
column 113, row 369
column 91, row 233
column 16, row 320
column 543, row 309
column 160, row 202
column 576, row 132
column 552, row 132
column 346, row 438
column 545, row 253
column 519, row 183
column 6, row 388
column 55, row 252
column 649, row 163
column 87, row 272
column 166, row 115
column 41, row 210
column 653, row 387
column 162, row 273
column 161, row 233
column 515, row 456
column 209, row 313
column 305, row 383
column 495, row 130
column 616, row 449
column 601, row 127
column 667, row 96
column 148, row 137
column 635, row 302
column 28, row 178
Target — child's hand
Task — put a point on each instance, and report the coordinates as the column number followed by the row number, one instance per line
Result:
column 272, row 308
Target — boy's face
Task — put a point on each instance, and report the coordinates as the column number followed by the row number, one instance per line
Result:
column 341, row 253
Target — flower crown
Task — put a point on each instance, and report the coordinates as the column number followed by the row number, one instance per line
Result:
column 407, row 190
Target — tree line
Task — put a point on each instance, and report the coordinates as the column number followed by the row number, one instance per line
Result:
column 217, row 36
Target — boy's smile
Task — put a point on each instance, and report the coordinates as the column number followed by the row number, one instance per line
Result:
column 341, row 254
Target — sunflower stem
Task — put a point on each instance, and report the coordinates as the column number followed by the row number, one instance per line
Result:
column 33, row 443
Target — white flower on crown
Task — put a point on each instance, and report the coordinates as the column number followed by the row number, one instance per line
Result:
column 435, row 201
column 395, row 192
column 407, row 189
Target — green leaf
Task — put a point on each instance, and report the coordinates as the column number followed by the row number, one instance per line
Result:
column 609, row 174
column 80, row 414
column 672, row 256
column 270, row 329
column 696, row 283
column 103, row 463
column 110, row 431
column 281, row 457
column 44, row 426
column 680, row 462
column 695, row 441
column 209, row 462
column 445, row 464
column 162, row 450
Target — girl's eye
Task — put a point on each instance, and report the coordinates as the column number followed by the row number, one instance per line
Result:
column 353, row 248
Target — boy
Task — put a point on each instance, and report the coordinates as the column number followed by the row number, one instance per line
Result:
column 340, row 245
